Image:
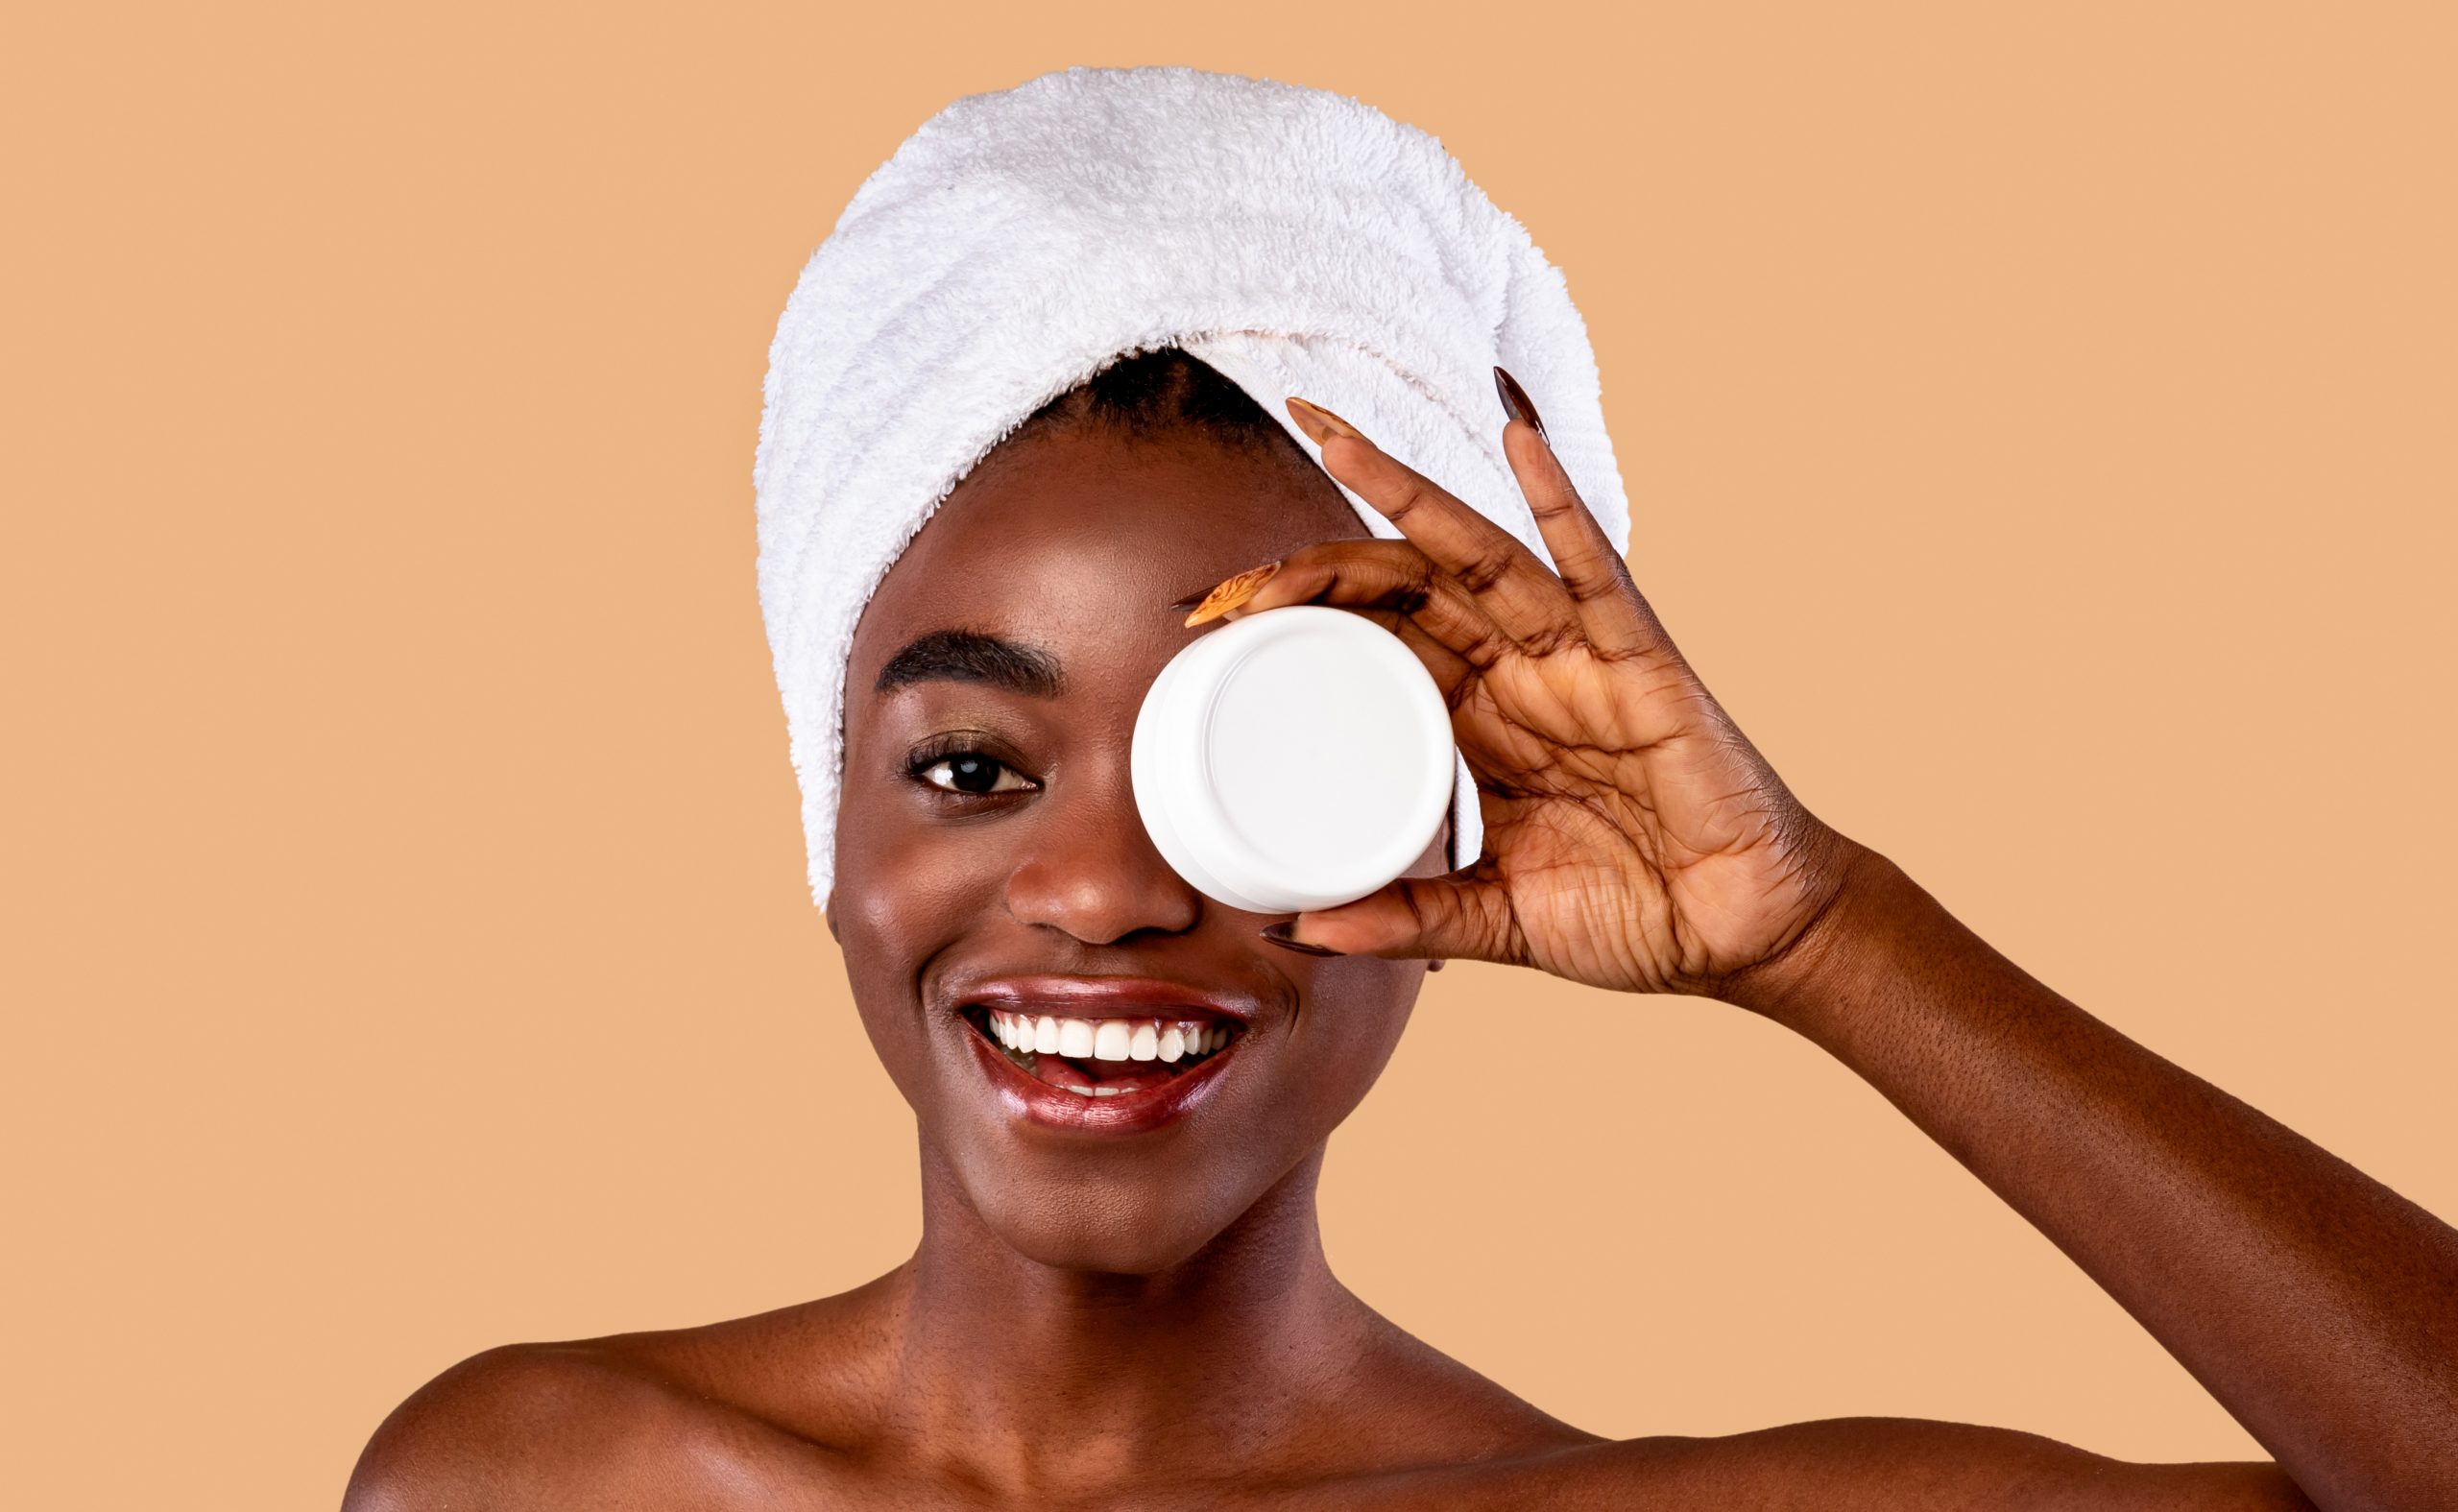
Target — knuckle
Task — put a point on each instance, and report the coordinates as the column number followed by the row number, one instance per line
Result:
column 1409, row 598
column 1412, row 493
column 1488, row 567
column 1608, row 582
column 1553, row 638
column 1487, row 650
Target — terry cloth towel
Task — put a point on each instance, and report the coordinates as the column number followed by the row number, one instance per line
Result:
column 1297, row 240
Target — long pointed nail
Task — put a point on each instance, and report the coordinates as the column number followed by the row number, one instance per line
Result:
column 1320, row 422
column 1278, row 934
column 1515, row 404
column 1232, row 593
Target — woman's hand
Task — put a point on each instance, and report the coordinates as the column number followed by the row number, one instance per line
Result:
column 1634, row 839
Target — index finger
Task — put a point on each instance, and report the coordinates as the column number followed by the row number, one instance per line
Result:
column 1523, row 598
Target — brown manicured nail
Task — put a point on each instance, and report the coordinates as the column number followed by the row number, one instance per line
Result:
column 1320, row 422
column 1515, row 404
column 1278, row 934
column 1232, row 593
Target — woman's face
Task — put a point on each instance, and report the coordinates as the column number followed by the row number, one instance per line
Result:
column 989, row 852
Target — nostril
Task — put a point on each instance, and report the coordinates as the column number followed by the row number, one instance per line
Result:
column 1102, row 891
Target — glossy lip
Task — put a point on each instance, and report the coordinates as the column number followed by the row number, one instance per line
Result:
column 1027, row 1097
column 1103, row 998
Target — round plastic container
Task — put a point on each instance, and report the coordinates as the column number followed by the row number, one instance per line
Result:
column 1296, row 758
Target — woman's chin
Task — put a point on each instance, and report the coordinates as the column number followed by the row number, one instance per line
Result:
column 1118, row 1236
column 1097, row 1211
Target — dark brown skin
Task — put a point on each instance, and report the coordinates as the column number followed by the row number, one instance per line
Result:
column 1166, row 1298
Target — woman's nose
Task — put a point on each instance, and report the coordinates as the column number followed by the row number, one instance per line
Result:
column 1093, row 873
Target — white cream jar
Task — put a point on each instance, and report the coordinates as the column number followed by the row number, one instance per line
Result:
column 1296, row 758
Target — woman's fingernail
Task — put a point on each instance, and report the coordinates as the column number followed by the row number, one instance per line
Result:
column 1515, row 404
column 1320, row 422
column 1232, row 593
column 1278, row 934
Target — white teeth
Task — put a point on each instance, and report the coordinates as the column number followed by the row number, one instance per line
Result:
column 1105, row 1092
column 1108, row 1038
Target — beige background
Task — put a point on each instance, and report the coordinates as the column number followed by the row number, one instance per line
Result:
column 2040, row 432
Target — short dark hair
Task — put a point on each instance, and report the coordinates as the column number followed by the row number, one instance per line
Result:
column 1148, row 393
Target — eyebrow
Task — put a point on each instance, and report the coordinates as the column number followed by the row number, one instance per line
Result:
column 973, row 656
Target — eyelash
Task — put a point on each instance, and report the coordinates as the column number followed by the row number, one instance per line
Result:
column 941, row 749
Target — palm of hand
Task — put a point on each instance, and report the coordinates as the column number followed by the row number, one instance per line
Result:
column 1641, row 844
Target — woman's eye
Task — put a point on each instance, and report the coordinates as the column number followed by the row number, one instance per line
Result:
column 971, row 771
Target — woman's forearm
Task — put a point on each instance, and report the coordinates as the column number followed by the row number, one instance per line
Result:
column 2318, row 1306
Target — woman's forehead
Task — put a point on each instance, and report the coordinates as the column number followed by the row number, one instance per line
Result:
column 1082, row 521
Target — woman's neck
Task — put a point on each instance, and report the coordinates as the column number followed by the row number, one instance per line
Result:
column 1053, row 1376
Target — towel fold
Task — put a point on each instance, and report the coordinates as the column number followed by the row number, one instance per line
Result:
column 1297, row 240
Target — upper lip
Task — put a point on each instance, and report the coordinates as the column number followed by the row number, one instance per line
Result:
column 1105, row 997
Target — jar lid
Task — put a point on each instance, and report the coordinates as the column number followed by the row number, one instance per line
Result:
column 1300, row 758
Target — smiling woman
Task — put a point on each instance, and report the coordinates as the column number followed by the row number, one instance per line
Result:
column 989, row 854
column 1124, row 1089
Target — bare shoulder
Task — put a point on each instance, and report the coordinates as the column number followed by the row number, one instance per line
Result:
column 679, row 1417
column 1842, row 1464
column 525, row 1425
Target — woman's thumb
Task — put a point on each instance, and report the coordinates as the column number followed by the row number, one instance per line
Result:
column 1459, row 917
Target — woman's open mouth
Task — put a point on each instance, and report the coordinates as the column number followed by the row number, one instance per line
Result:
column 1102, row 1056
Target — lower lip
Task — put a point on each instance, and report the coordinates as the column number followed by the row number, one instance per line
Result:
column 1028, row 1097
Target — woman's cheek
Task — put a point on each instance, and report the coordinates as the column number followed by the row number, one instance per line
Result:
column 908, row 890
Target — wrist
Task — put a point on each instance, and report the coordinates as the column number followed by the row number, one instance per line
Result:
column 1822, row 963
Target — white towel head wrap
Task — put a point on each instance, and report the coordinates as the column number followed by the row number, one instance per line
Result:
column 1297, row 240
